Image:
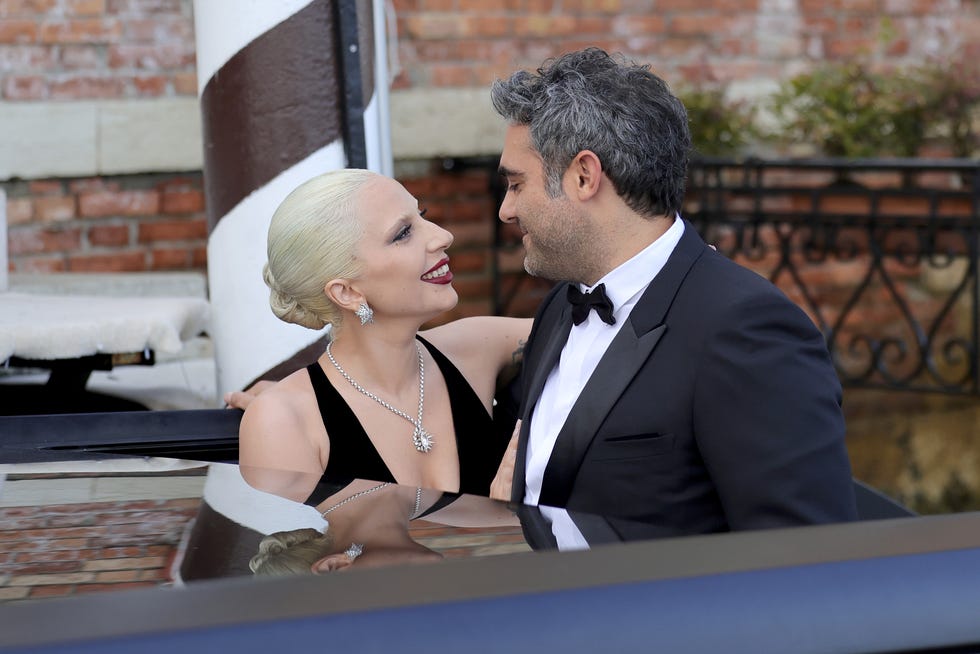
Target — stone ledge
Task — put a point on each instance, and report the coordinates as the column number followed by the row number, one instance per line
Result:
column 107, row 137
column 60, row 139
column 139, row 284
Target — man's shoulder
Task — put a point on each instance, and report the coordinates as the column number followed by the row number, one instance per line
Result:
column 721, row 276
column 728, row 295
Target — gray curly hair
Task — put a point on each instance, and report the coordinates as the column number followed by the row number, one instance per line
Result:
column 620, row 110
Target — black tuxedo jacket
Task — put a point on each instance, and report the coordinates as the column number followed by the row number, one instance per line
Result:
column 715, row 408
column 596, row 529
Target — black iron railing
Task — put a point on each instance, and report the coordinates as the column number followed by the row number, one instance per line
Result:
column 882, row 254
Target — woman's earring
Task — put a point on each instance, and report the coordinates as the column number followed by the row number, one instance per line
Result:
column 354, row 551
column 365, row 313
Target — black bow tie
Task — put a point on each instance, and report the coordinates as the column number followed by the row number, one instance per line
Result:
column 596, row 299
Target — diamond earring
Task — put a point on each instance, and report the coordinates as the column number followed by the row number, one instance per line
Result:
column 354, row 551
column 365, row 313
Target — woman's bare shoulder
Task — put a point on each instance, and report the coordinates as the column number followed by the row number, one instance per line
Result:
column 287, row 403
column 282, row 445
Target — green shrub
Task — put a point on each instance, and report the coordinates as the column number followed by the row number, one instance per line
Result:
column 952, row 89
column 719, row 127
column 849, row 110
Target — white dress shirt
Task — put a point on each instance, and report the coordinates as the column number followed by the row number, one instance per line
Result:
column 586, row 344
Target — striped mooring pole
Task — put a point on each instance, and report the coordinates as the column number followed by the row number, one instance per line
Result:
column 289, row 89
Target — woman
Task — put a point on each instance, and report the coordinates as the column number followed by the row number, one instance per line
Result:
column 351, row 248
column 367, row 527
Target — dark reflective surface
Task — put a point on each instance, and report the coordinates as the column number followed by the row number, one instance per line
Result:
column 96, row 523
column 83, row 525
column 75, row 528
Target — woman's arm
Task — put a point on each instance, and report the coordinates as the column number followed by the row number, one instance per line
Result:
column 493, row 344
column 241, row 399
column 276, row 454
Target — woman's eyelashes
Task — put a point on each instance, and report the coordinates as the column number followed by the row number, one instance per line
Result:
column 403, row 233
column 406, row 230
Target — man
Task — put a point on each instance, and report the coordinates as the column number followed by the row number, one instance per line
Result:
column 697, row 398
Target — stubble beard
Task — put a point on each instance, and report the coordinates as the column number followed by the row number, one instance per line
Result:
column 546, row 268
column 565, row 251
column 565, row 261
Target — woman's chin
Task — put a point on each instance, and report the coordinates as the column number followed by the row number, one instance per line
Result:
column 452, row 297
column 436, row 315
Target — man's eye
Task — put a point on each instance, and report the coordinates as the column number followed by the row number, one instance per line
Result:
column 512, row 187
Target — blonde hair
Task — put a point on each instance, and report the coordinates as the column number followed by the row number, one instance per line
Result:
column 312, row 239
column 290, row 552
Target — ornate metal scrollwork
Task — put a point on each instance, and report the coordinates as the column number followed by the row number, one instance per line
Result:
column 887, row 272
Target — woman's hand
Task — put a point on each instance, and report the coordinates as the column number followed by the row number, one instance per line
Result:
column 500, row 487
column 241, row 399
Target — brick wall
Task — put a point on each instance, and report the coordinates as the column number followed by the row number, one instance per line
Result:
column 86, row 49
column 470, row 42
column 461, row 203
column 62, row 550
column 74, row 49
column 62, row 50
column 108, row 224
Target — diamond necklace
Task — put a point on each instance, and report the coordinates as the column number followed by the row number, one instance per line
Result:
column 415, row 513
column 422, row 439
column 354, row 497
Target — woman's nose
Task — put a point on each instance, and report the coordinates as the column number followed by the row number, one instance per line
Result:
column 442, row 238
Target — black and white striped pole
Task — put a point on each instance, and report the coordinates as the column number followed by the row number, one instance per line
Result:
column 289, row 89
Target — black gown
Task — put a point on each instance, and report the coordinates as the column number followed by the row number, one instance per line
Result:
column 479, row 443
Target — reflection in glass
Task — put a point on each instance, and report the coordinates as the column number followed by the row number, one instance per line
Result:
column 371, row 524
column 77, row 527
column 368, row 526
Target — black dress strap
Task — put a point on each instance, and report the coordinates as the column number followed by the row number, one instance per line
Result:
column 478, row 444
column 352, row 454
column 444, row 500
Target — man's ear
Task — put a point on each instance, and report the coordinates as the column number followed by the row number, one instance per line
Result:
column 330, row 563
column 341, row 293
column 586, row 174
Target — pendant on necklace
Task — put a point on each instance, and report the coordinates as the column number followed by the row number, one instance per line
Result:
column 422, row 439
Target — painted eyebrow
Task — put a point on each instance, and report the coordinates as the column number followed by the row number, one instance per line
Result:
column 403, row 220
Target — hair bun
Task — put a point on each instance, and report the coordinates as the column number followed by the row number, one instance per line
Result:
column 268, row 278
column 286, row 307
column 272, row 547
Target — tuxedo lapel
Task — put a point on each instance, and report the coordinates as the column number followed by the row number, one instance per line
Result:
column 652, row 308
column 596, row 529
column 626, row 355
column 624, row 358
column 549, row 358
column 536, row 528
column 539, row 534
column 542, row 368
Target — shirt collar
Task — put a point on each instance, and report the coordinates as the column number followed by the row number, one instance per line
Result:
column 632, row 276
